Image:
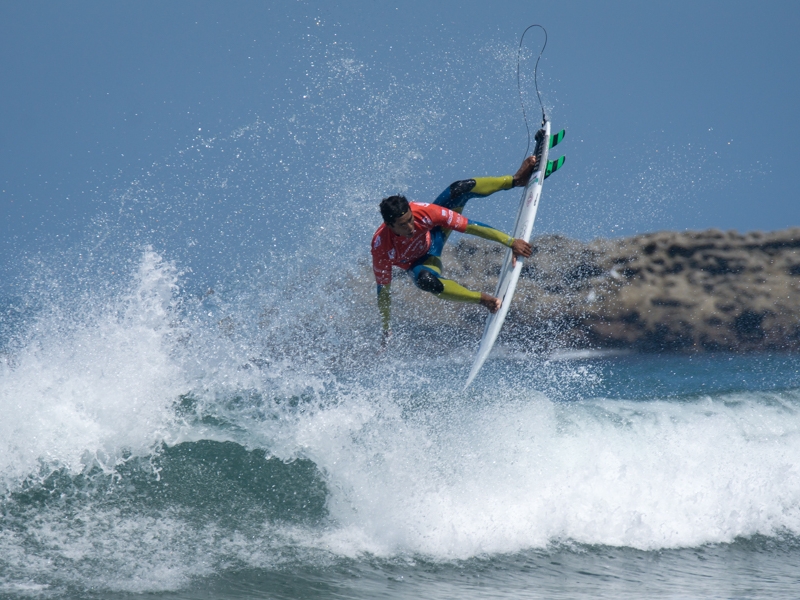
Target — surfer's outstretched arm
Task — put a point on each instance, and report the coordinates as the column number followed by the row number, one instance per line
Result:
column 385, row 310
column 519, row 247
column 488, row 232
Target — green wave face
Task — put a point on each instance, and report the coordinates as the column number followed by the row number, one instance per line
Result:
column 203, row 481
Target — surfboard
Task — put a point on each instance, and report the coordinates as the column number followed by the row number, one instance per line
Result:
column 523, row 227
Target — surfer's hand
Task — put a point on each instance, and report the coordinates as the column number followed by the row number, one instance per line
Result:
column 522, row 248
column 490, row 302
column 386, row 337
column 523, row 174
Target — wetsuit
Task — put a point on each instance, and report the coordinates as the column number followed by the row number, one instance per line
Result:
column 420, row 255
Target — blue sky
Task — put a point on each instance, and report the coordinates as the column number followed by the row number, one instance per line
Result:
column 679, row 115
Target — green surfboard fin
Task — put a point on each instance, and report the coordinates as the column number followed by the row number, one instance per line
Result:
column 555, row 139
column 553, row 166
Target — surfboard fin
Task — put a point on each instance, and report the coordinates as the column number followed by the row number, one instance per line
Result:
column 555, row 139
column 553, row 166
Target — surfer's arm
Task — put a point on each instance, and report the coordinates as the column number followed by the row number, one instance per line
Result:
column 385, row 308
column 382, row 269
column 488, row 233
column 519, row 247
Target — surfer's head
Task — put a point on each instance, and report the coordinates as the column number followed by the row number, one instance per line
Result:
column 397, row 215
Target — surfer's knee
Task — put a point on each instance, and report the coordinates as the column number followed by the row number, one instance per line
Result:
column 428, row 282
column 459, row 188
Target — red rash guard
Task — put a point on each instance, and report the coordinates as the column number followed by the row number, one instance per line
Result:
column 390, row 249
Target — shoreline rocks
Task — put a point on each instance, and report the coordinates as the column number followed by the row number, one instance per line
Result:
column 706, row 291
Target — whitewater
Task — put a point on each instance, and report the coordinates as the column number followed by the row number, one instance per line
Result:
column 194, row 405
column 145, row 451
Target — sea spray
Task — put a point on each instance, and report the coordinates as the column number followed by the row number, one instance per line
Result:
column 93, row 381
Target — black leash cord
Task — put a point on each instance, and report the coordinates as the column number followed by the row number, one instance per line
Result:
column 535, row 82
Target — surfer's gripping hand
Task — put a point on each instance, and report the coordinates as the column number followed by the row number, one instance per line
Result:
column 523, row 174
column 386, row 337
column 490, row 302
column 520, row 247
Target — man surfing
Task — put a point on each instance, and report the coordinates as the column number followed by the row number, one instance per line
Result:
column 413, row 235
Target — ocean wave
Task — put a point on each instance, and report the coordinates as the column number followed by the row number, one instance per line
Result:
column 147, row 442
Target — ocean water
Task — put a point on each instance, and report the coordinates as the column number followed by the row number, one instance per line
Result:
column 193, row 403
column 150, row 446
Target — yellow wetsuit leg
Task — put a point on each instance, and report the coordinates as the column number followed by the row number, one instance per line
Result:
column 428, row 273
column 447, row 289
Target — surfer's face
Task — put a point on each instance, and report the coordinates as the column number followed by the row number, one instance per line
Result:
column 403, row 226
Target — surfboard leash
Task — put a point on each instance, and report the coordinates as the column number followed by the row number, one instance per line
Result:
column 535, row 82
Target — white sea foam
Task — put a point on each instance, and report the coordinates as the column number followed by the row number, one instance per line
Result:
column 527, row 473
column 410, row 466
column 107, row 549
column 92, row 383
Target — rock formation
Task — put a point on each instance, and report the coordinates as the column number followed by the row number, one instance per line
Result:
column 666, row 291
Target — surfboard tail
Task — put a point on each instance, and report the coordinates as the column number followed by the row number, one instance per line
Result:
column 495, row 322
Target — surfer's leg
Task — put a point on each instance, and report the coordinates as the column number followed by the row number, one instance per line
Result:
column 455, row 292
column 458, row 193
column 427, row 275
column 439, row 237
column 456, row 196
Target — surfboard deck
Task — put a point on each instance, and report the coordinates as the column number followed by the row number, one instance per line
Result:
column 523, row 227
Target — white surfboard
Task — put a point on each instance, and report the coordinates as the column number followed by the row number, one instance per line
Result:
column 509, row 275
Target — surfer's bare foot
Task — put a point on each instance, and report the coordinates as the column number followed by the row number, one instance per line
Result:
column 491, row 303
column 523, row 174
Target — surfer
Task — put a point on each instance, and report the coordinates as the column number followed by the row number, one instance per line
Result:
column 413, row 235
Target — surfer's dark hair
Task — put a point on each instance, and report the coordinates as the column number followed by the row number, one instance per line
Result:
column 394, row 207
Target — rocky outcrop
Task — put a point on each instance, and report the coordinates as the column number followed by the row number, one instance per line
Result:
column 666, row 291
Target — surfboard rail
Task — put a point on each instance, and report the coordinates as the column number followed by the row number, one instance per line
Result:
column 523, row 227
